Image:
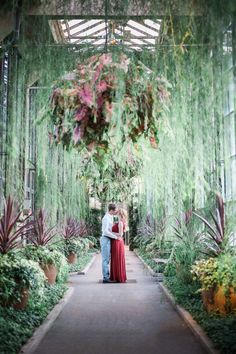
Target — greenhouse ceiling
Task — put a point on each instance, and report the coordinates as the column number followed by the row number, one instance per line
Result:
column 134, row 34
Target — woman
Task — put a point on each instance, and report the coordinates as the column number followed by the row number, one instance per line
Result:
column 118, row 271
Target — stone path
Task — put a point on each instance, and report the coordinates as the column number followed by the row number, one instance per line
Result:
column 132, row 318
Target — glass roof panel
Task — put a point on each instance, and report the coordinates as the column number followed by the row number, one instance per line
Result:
column 142, row 28
column 152, row 24
column 132, row 33
column 87, row 24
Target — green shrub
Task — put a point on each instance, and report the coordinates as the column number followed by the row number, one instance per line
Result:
column 17, row 326
column 77, row 246
column 45, row 256
column 17, row 274
column 220, row 270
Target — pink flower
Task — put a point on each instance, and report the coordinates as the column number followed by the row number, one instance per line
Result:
column 82, row 70
column 92, row 60
column 81, row 113
column 105, row 59
column 153, row 142
column 86, row 95
column 101, row 86
column 97, row 72
column 77, row 134
column 100, row 101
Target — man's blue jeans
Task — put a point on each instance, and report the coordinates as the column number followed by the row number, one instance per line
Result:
column 106, row 252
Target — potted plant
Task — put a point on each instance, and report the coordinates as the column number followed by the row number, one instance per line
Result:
column 72, row 234
column 11, row 234
column 40, row 237
column 217, row 235
column 18, row 277
column 69, row 232
column 217, row 277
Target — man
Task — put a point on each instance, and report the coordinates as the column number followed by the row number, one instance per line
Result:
column 107, row 234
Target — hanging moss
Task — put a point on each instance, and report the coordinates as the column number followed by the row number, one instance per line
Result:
column 185, row 167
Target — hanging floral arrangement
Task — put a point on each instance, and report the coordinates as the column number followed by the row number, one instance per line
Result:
column 106, row 101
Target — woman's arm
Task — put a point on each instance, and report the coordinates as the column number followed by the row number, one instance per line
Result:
column 121, row 228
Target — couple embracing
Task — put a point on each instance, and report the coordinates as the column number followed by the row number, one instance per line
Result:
column 112, row 245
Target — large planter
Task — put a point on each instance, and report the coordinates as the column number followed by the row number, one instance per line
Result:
column 217, row 299
column 72, row 258
column 50, row 272
column 22, row 303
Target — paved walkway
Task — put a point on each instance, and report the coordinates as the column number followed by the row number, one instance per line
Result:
column 132, row 318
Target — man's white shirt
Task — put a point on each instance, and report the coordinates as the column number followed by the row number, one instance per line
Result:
column 107, row 223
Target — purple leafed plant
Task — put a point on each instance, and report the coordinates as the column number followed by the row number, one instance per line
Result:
column 215, row 239
column 83, row 229
column 71, row 229
column 10, row 233
column 41, row 235
column 181, row 228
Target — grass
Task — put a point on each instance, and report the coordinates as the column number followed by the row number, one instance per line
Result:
column 221, row 329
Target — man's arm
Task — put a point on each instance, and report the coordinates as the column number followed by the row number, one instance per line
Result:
column 107, row 232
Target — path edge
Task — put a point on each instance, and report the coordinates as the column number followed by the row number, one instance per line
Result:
column 198, row 332
column 191, row 323
column 153, row 273
column 87, row 267
column 39, row 333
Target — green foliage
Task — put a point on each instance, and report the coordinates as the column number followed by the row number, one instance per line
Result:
column 214, row 272
column 41, row 235
column 218, row 235
column 112, row 175
column 186, row 248
column 82, row 260
column 152, row 236
column 219, row 328
column 149, row 260
column 94, row 222
column 45, row 256
column 108, row 100
column 133, row 224
column 93, row 242
column 10, row 232
column 16, row 274
column 77, row 246
column 16, row 327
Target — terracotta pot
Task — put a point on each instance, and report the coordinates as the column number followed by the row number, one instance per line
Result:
column 50, row 272
column 215, row 300
column 72, row 258
column 21, row 304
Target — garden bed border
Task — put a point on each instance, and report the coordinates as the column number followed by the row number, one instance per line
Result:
column 37, row 336
column 198, row 332
column 87, row 267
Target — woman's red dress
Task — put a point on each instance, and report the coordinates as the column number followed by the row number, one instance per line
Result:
column 118, row 270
